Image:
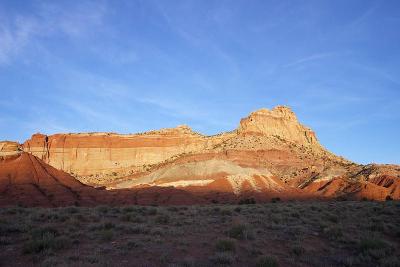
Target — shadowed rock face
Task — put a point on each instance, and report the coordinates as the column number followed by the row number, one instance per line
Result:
column 270, row 155
column 27, row 180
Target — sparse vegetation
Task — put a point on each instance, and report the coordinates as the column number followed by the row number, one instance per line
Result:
column 345, row 233
column 225, row 245
column 267, row 261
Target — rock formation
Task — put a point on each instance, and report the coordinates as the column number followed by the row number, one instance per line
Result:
column 8, row 148
column 269, row 155
column 28, row 181
column 280, row 121
column 104, row 154
column 24, row 179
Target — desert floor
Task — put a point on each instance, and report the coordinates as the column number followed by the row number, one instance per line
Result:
column 273, row 234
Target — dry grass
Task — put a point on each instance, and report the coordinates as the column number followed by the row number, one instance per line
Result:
column 275, row 234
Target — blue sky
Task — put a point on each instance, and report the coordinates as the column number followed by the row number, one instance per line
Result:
column 131, row 66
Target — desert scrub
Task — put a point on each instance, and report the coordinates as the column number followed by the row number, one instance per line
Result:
column 162, row 219
column 106, row 235
column 71, row 210
column 240, row 231
column 135, row 230
column 44, row 239
column 375, row 247
column 222, row 258
column 267, row 261
column 102, row 226
column 297, row 249
column 333, row 232
column 128, row 209
column 152, row 211
column 226, row 212
column 102, row 209
column 224, row 245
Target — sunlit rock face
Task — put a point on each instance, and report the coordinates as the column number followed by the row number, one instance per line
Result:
column 9, row 148
column 280, row 121
column 270, row 153
column 104, row 153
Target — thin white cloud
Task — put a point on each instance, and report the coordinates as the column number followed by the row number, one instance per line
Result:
column 381, row 73
column 367, row 13
column 19, row 32
column 97, row 113
column 202, row 39
column 14, row 36
column 307, row 59
column 70, row 19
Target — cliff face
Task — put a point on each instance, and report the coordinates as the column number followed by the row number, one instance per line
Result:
column 280, row 121
column 269, row 154
column 106, row 153
column 28, row 181
column 8, row 148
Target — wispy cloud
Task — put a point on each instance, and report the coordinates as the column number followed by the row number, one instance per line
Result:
column 95, row 113
column 15, row 35
column 365, row 15
column 18, row 32
column 380, row 73
column 200, row 38
column 307, row 59
column 74, row 20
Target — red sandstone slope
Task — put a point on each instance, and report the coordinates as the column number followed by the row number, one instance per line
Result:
column 377, row 182
column 27, row 180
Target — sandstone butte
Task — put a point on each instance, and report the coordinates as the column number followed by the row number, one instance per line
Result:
column 270, row 155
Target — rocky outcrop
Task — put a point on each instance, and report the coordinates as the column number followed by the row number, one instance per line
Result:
column 269, row 155
column 24, row 179
column 280, row 122
column 8, row 148
column 114, row 155
column 27, row 181
column 108, row 154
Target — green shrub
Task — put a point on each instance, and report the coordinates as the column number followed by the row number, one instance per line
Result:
column 47, row 241
column 297, row 250
column 222, row 259
column 240, row 231
column 372, row 243
column 375, row 248
column 152, row 211
column 267, row 261
column 127, row 209
column 224, row 245
column 108, row 225
column 333, row 232
column 132, row 244
column 71, row 210
column 237, row 231
column 106, row 235
column 102, row 209
column 226, row 212
column 162, row 219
